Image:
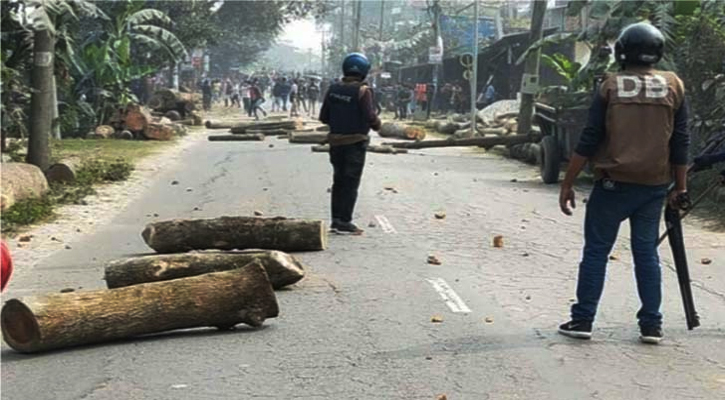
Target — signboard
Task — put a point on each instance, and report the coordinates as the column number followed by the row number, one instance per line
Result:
column 435, row 55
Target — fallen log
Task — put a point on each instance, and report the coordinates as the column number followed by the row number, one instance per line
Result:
column 173, row 115
column 220, row 299
column 325, row 148
column 267, row 132
column 236, row 138
column 124, row 135
column 164, row 100
column 229, row 233
column 156, row 131
column 243, row 128
column 282, row 269
column 323, row 128
column 492, row 131
column 21, row 181
column 101, row 132
column 307, row 138
column 477, row 141
column 400, row 131
column 63, row 172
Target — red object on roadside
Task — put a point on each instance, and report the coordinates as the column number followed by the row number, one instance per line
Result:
column 6, row 266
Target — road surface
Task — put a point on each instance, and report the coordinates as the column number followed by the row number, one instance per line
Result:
column 359, row 326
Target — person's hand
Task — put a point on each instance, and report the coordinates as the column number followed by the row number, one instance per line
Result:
column 566, row 198
column 672, row 198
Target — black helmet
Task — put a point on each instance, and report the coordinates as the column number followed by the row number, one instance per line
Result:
column 640, row 44
column 356, row 64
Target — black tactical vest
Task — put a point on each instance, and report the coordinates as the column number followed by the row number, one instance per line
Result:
column 346, row 114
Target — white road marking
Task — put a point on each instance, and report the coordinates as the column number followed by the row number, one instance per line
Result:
column 453, row 301
column 385, row 224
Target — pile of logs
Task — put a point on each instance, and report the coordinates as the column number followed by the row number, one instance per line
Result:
column 173, row 104
column 137, row 122
column 158, row 293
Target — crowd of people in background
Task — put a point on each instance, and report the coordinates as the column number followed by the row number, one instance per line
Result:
column 297, row 95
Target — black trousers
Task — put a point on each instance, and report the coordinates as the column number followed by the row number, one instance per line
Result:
column 347, row 162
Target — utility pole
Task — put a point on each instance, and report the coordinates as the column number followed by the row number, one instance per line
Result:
column 382, row 18
column 474, row 77
column 41, row 101
column 438, row 42
column 356, row 37
column 530, row 79
column 342, row 26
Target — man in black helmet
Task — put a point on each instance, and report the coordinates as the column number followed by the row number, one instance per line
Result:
column 348, row 108
column 637, row 142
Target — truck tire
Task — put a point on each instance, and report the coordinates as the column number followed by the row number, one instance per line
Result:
column 550, row 159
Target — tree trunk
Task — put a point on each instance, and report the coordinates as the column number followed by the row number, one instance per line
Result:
column 159, row 132
column 55, row 122
column 282, row 268
column 268, row 132
column 479, row 141
column 307, row 138
column 21, row 181
column 220, row 299
column 124, row 135
column 264, row 126
column 137, row 118
column 229, row 233
column 236, row 138
column 400, row 131
column 63, row 172
column 325, row 148
column 41, row 113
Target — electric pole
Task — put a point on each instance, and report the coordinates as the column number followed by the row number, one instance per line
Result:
column 382, row 18
column 356, row 36
column 530, row 79
column 41, row 100
column 342, row 26
column 474, row 76
column 438, row 45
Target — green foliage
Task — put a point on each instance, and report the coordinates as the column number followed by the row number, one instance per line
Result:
column 36, row 210
column 564, row 67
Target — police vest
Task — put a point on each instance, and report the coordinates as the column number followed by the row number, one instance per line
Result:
column 346, row 113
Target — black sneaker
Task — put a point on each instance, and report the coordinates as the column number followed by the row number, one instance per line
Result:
column 347, row 227
column 576, row 329
column 335, row 224
column 650, row 335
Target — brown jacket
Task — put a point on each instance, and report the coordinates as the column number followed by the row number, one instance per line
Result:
column 640, row 119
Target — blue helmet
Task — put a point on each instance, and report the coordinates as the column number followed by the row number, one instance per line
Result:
column 356, row 64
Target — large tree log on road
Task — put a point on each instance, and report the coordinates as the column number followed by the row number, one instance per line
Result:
column 325, row 148
column 229, row 233
column 400, row 131
column 159, row 132
column 220, row 299
column 21, row 181
column 307, row 138
column 264, row 126
column 283, row 269
column 236, row 138
column 479, row 141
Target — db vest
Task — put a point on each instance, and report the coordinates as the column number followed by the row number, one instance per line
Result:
column 641, row 106
column 346, row 114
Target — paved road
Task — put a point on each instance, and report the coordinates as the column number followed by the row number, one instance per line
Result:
column 359, row 326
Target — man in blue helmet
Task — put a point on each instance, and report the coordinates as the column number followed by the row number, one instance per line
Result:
column 348, row 108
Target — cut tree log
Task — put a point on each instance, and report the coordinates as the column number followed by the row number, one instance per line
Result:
column 137, row 118
column 167, row 99
column 283, row 269
column 101, row 132
column 21, row 181
column 400, row 131
column 264, row 126
column 229, row 233
column 220, row 299
column 323, row 128
column 267, row 132
column 124, row 135
column 159, row 132
column 63, row 172
column 236, row 138
column 173, row 115
column 478, row 141
column 492, row 131
column 307, row 138
column 325, row 148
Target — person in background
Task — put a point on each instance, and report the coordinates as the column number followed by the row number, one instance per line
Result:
column 285, row 90
column 246, row 101
column 294, row 99
column 277, row 96
column 637, row 141
column 236, row 87
column 348, row 110
column 207, row 93
column 302, row 94
column 257, row 99
column 404, row 96
column 313, row 95
column 228, row 91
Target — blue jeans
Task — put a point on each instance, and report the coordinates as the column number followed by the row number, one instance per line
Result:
column 606, row 209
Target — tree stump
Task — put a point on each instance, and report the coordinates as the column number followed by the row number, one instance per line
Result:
column 283, row 269
column 220, row 299
column 230, row 233
column 137, row 118
column 101, row 132
column 21, row 181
